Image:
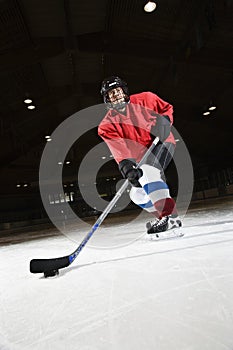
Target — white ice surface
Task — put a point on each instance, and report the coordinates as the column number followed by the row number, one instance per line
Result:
column 124, row 291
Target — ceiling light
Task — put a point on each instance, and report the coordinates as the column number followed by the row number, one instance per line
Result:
column 31, row 107
column 212, row 108
column 68, row 162
column 48, row 138
column 103, row 157
column 18, row 185
column 27, row 100
column 59, row 163
column 206, row 113
column 150, row 6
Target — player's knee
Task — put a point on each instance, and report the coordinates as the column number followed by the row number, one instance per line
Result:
column 150, row 174
column 140, row 198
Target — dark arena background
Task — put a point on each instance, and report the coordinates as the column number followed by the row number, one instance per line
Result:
column 126, row 290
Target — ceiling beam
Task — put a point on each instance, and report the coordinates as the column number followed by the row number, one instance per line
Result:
column 99, row 42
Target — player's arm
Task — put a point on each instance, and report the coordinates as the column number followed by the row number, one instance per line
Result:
column 163, row 118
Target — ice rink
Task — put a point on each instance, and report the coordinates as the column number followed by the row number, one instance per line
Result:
column 124, row 291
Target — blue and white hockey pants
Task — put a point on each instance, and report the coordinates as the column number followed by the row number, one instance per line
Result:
column 154, row 195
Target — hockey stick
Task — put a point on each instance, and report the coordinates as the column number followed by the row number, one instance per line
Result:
column 51, row 266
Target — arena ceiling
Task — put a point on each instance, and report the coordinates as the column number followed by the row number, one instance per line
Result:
column 57, row 52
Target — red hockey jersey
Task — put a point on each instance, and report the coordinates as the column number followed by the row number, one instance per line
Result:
column 128, row 135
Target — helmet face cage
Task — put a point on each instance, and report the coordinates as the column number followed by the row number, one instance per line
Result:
column 113, row 83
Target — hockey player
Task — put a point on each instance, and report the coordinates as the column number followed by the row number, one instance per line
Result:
column 128, row 129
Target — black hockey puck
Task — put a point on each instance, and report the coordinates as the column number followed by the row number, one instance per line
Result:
column 51, row 273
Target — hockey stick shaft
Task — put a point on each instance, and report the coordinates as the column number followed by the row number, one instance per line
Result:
column 43, row 265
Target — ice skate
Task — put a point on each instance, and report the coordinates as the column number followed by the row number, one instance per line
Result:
column 158, row 226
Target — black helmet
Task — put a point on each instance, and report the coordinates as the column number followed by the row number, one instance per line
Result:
column 112, row 83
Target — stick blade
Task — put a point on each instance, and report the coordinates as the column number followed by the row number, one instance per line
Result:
column 43, row 265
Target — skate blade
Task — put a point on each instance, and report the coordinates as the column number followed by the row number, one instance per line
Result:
column 166, row 235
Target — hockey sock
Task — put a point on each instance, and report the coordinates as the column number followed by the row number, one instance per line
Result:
column 165, row 207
